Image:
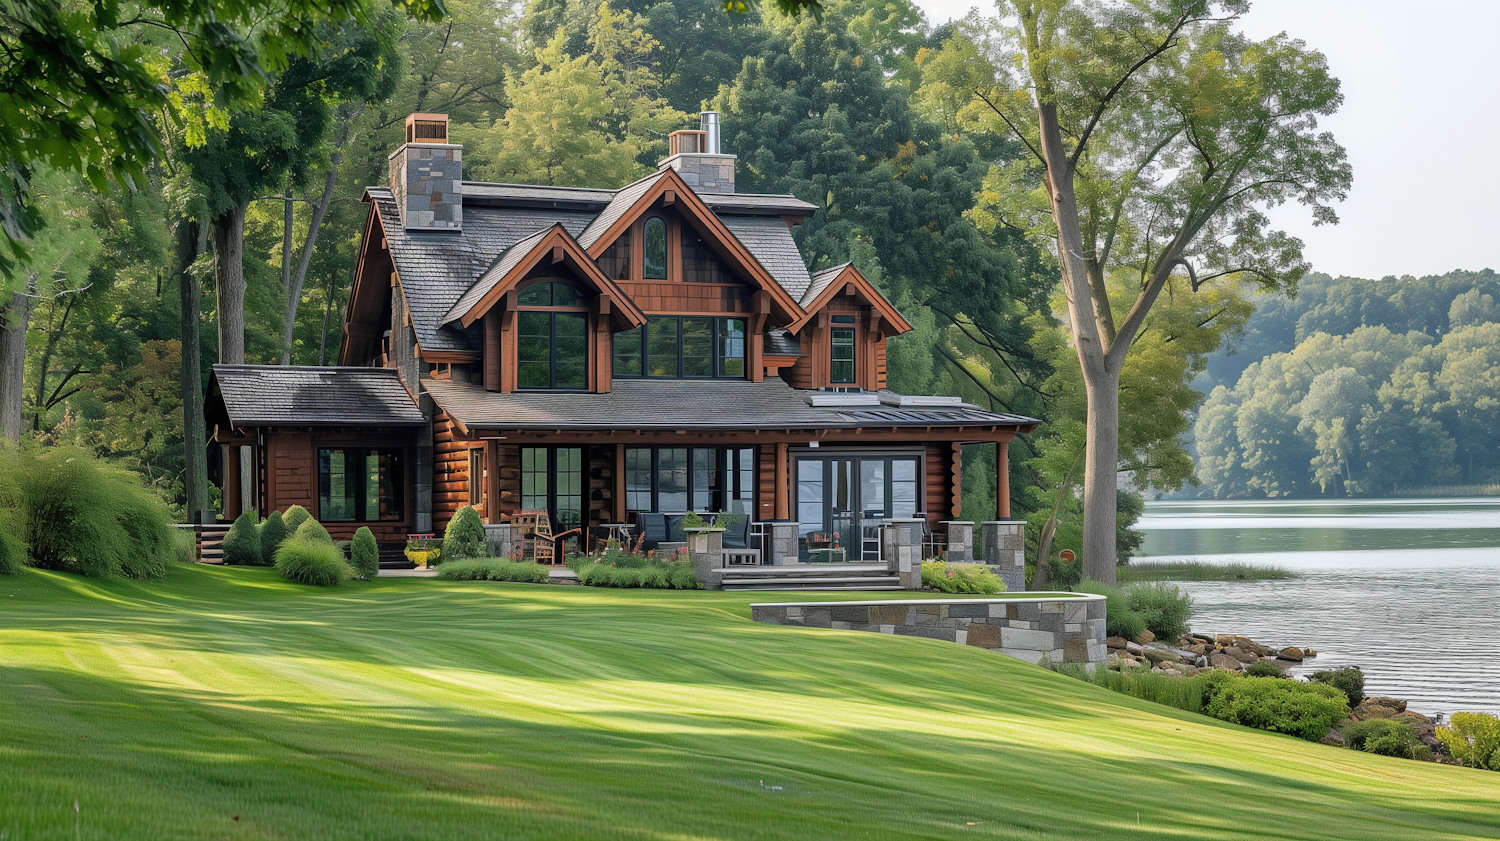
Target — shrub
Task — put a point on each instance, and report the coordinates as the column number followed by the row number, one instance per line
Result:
column 1350, row 681
column 312, row 530
column 75, row 513
column 961, row 578
column 242, row 543
column 1383, row 736
column 1119, row 619
column 618, row 568
column 308, row 560
column 494, row 569
column 1473, row 739
column 1305, row 710
column 12, row 555
column 1163, row 608
column 1264, row 668
column 464, row 537
column 272, row 532
column 184, row 546
column 294, row 518
column 364, row 553
column 1063, row 574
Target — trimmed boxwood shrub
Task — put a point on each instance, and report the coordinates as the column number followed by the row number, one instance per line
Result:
column 294, row 518
column 464, row 537
column 974, row 579
column 494, row 569
column 242, row 543
column 272, row 532
column 312, row 530
column 1350, row 681
column 308, row 560
column 1305, row 710
column 364, row 553
column 75, row 513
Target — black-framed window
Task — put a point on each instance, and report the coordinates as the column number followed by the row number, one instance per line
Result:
column 359, row 485
column 672, row 346
column 841, row 350
column 552, row 349
column 690, row 478
column 654, row 264
column 550, row 295
column 552, row 480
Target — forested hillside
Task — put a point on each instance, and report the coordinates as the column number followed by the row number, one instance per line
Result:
column 1357, row 387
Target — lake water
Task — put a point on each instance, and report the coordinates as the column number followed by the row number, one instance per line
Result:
column 1409, row 590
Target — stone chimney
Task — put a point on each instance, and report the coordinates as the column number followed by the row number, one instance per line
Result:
column 695, row 154
column 427, row 176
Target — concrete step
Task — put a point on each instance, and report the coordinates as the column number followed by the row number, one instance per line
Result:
column 778, row 579
column 870, row 582
column 802, row 587
column 800, row 571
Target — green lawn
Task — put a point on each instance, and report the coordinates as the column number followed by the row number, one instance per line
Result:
column 225, row 703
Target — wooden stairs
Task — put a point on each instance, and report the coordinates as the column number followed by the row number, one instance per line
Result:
column 210, row 540
column 811, row 577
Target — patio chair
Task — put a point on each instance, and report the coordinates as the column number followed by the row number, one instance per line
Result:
column 651, row 528
column 737, row 548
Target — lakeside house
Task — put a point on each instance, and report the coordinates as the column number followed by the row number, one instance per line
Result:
column 597, row 353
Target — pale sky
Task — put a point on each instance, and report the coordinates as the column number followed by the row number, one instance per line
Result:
column 1421, row 107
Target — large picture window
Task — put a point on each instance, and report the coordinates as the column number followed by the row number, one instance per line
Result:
column 672, row 347
column 672, row 479
column 552, row 481
column 841, row 368
column 553, row 350
column 357, row 485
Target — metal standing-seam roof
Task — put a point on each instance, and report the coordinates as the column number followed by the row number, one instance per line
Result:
column 286, row 395
column 690, row 404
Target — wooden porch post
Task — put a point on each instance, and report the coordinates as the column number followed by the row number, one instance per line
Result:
column 492, row 485
column 783, row 502
column 1002, row 480
column 619, row 514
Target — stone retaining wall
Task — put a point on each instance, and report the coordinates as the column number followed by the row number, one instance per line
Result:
column 1065, row 629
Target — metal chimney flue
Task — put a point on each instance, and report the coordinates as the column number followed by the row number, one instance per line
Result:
column 709, row 120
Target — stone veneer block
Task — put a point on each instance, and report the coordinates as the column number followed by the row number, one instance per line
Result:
column 1033, row 640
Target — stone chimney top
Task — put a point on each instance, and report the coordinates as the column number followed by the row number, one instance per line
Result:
column 427, row 176
column 696, row 156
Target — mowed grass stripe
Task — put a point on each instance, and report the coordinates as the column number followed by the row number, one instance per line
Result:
column 411, row 708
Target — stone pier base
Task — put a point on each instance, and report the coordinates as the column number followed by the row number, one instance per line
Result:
column 1002, row 546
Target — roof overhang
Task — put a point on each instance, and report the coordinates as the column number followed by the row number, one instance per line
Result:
column 847, row 280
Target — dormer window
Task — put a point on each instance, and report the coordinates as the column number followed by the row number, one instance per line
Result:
column 655, row 257
column 552, row 346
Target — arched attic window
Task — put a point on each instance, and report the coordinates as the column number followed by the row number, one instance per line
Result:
column 655, row 263
column 552, row 331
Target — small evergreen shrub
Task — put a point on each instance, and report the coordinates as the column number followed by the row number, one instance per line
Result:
column 294, row 518
column 464, row 537
column 1264, row 668
column 312, row 530
column 242, row 543
column 1349, row 680
column 1305, row 710
column 364, row 553
column 974, row 579
column 494, row 569
column 1119, row 619
column 75, row 513
column 272, row 532
column 1473, row 739
column 1163, row 608
column 12, row 555
column 1385, row 737
column 307, row 560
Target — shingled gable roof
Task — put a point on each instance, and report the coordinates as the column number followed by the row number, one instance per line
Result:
column 634, row 200
column 830, row 282
column 288, row 395
column 519, row 259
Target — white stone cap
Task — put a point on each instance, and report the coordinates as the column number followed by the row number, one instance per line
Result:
column 404, row 146
column 708, row 156
column 1029, row 598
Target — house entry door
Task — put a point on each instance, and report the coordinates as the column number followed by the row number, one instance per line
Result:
column 841, row 499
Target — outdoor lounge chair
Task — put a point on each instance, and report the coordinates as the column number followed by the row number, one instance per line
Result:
column 651, row 529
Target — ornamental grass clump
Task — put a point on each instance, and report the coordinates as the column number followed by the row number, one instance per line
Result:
column 617, row 567
column 1119, row 619
column 364, row 553
column 77, row 514
column 272, row 533
column 970, row 579
column 494, row 569
column 1162, row 607
column 464, row 537
column 242, row 542
column 305, row 559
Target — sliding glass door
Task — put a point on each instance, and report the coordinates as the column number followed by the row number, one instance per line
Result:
column 841, row 499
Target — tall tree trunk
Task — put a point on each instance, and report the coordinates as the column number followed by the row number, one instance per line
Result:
column 229, row 253
column 1101, row 474
column 286, row 262
column 294, row 287
column 194, row 433
column 13, row 366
